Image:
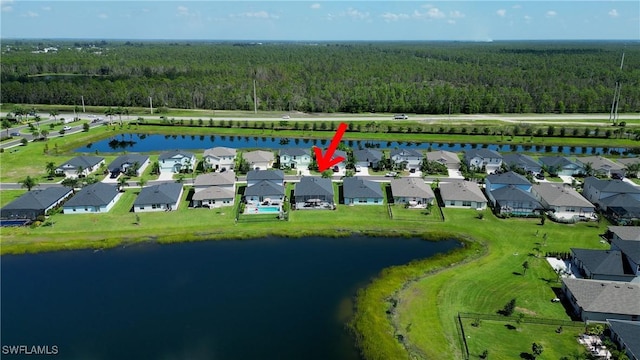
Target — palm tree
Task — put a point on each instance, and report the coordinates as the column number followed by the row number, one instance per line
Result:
column 44, row 133
column 51, row 168
column 122, row 182
column 28, row 183
column 588, row 169
column 79, row 170
column 54, row 113
column 70, row 182
column 632, row 170
column 142, row 182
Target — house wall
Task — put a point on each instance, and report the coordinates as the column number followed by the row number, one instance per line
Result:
column 404, row 200
column 159, row 207
column 171, row 165
column 216, row 163
column 363, row 201
column 262, row 197
column 296, row 162
column 91, row 209
column 516, row 208
column 303, row 198
column 412, row 162
column 465, row 204
column 215, row 203
column 262, row 165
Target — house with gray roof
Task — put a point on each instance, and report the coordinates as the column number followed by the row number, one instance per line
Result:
column 596, row 190
column 295, row 158
column 601, row 165
column 446, row 158
column 512, row 200
column 367, row 157
column 631, row 161
column 411, row 191
column 526, row 163
column 510, row 178
column 176, row 161
column 627, row 240
column 621, row 209
column 313, row 190
column 359, row 191
column 560, row 165
column 604, row 265
column 343, row 164
column 274, row 176
column 214, row 197
column 264, row 190
column 488, row 159
column 259, row 159
column 410, row 158
column 462, row 194
column 225, row 180
column 34, row 203
column 161, row 197
column 599, row 300
column 80, row 166
column 563, row 203
column 219, row 158
column 626, row 334
column 92, row 199
column 129, row 161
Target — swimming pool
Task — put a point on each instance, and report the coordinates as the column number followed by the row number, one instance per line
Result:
column 262, row 210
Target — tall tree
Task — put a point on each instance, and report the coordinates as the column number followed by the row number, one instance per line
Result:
column 28, row 183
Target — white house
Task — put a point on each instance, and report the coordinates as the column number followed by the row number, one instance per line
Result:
column 412, row 191
column 410, row 157
column 175, row 161
column 161, row 197
column 259, row 159
column 359, row 191
column 446, row 158
column 80, row 166
column 295, row 158
column 462, row 194
column 562, row 202
column 219, row 158
column 478, row 158
column 214, row 197
column 225, row 180
column 92, row 199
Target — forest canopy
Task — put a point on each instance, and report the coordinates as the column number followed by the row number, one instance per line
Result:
column 398, row 77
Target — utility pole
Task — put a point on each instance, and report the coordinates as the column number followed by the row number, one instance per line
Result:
column 255, row 99
column 83, row 110
column 613, row 115
column 151, row 104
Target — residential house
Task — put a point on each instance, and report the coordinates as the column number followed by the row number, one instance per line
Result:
column 411, row 191
column 259, row 159
column 343, row 164
column 176, row 161
column 631, row 162
column 564, row 203
column 626, row 334
column 610, row 265
column 213, row 197
column 601, row 166
column 34, row 203
column 526, row 163
column 295, row 158
column 80, row 166
column 446, row 158
column 359, row 191
column 512, row 200
column 599, row 300
column 367, row 157
column 95, row 198
column 621, row 209
column 312, row 191
column 488, row 159
column 510, row 178
column 129, row 161
column 161, row 197
column 410, row 158
column 560, row 165
column 462, row 194
column 219, row 158
column 627, row 240
column 225, row 180
column 596, row 190
column 263, row 185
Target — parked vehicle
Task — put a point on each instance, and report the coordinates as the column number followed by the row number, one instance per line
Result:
column 400, row 117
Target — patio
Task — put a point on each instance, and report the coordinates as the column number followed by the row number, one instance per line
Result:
column 593, row 343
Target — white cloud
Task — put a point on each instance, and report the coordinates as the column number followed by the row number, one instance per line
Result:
column 183, row 11
column 388, row 17
column 501, row 12
column 551, row 13
column 435, row 13
column 614, row 13
column 357, row 14
column 527, row 19
column 258, row 15
column 431, row 13
column 315, row 6
column 456, row 14
column 103, row 16
column 6, row 5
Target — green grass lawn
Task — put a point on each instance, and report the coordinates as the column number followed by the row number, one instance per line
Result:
column 400, row 213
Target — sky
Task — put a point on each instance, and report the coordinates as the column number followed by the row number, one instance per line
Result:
column 321, row 20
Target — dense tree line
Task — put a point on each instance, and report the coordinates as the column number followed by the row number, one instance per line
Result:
column 430, row 78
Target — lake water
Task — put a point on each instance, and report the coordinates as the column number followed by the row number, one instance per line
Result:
column 265, row 299
column 147, row 143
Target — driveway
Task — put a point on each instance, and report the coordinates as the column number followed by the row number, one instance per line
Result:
column 455, row 174
column 164, row 176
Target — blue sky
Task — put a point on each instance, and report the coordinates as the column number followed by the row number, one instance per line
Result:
column 322, row 20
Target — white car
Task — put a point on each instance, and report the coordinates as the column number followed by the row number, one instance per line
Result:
column 358, row 168
column 400, row 117
column 66, row 128
column 286, row 117
column 391, row 174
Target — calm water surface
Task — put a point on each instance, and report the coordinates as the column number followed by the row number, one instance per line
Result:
column 256, row 299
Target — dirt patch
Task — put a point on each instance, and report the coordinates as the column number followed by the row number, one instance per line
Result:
column 526, row 311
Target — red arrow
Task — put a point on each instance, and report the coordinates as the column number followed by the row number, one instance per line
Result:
column 325, row 162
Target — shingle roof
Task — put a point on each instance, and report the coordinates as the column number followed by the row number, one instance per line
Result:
column 611, row 186
column 264, row 187
column 556, row 161
column 368, row 155
column 257, row 156
column 175, row 153
column 213, row 193
column 461, row 190
column 215, row 179
column 165, row 193
column 629, row 332
column 520, row 161
column 512, row 193
column 603, row 262
column 355, row 187
column 602, row 296
column 127, row 159
column 98, row 194
column 220, row 151
column 482, row 153
column 314, row 185
column 508, row 178
column 560, row 195
column 84, row 161
column 629, row 161
column 600, row 163
column 406, row 153
column 38, row 199
column 444, row 157
column 294, row 152
column 411, row 187
column 629, row 242
column 255, row 175
column 626, row 232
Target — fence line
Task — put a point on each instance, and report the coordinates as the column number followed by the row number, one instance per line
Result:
column 465, row 347
column 527, row 320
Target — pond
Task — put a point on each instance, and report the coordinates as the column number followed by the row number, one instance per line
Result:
column 146, row 143
column 271, row 298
